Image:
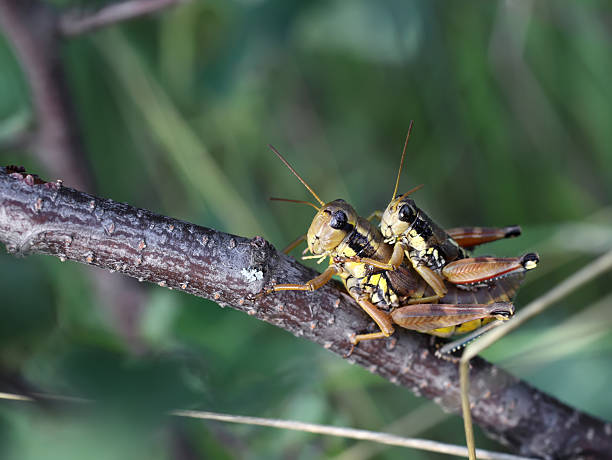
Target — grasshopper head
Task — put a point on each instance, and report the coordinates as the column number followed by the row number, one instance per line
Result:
column 330, row 226
column 398, row 218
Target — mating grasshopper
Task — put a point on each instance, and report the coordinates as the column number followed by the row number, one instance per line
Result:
column 439, row 256
column 395, row 272
column 359, row 255
column 435, row 254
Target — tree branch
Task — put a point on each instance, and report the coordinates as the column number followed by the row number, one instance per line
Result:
column 77, row 23
column 55, row 140
column 47, row 218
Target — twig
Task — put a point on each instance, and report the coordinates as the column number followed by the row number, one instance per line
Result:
column 49, row 219
column 586, row 274
column 351, row 433
column 77, row 23
column 419, row 420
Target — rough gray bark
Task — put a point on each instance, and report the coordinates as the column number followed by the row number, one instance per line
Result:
column 35, row 30
column 47, row 218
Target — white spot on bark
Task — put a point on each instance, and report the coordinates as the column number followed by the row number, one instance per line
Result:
column 251, row 275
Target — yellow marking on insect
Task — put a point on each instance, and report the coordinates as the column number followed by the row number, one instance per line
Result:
column 375, row 279
column 468, row 326
column 418, row 243
column 442, row 331
column 348, row 252
column 530, row 264
column 358, row 269
column 382, row 283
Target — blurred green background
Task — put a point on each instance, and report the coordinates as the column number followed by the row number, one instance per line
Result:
column 512, row 105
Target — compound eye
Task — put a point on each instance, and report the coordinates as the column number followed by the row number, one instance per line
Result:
column 407, row 213
column 338, row 220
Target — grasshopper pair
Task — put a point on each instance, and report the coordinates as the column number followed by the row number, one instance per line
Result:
column 411, row 272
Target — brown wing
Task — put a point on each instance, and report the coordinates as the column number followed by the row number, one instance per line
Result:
column 501, row 290
column 404, row 281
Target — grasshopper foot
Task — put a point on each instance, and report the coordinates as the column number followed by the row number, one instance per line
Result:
column 354, row 342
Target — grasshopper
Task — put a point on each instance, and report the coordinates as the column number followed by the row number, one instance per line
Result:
column 439, row 255
column 359, row 255
column 396, row 273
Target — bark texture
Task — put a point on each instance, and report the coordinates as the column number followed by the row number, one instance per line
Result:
column 55, row 139
column 47, row 218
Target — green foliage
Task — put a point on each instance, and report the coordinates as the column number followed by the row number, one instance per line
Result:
column 512, row 108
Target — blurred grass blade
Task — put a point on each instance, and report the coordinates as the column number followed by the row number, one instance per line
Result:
column 352, row 433
column 383, row 438
column 189, row 155
column 573, row 335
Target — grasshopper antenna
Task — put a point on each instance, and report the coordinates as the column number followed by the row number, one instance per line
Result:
column 296, row 175
column 399, row 172
column 296, row 201
column 412, row 190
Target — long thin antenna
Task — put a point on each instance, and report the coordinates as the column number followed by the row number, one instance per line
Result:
column 399, row 172
column 296, row 201
column 412, row 190
column 296, row 174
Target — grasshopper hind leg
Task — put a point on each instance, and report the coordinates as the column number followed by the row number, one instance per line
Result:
column 451, row 347
column 476, row 270
column 445, row 320
column 436, row 318
column 468, row 237
column 382, row 320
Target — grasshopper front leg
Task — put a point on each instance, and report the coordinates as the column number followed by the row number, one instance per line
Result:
column 375, row 215
column 395, row 260
column 433, row 279
column 311, row 285
column 381, row 318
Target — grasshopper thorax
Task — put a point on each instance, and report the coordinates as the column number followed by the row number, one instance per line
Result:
column 330, row 226
column 399, row 217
